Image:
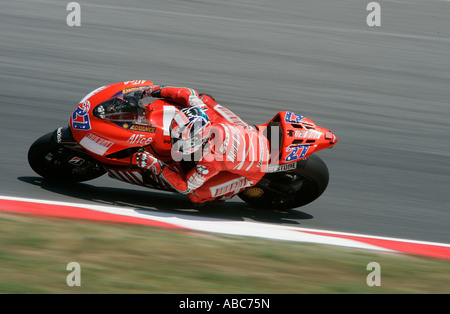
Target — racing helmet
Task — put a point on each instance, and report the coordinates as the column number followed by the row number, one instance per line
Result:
column 189, row 130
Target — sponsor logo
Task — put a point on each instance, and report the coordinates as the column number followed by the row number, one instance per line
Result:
column 96, row 144
column 281, row 168
column 80, row 117
column 131, row 89
column 253, row 192
column 296, row 152
column 140, row 139
column 139, row 127
column 135, row 82
column 293, row 117
column 76, row 161
column 59, row 135
column 308, row 134
column 230, row 186
column 230, row 116
column 195, row 181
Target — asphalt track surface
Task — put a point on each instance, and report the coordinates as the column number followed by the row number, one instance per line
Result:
column 384, row 91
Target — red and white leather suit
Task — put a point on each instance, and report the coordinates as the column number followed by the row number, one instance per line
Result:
column 235, row 157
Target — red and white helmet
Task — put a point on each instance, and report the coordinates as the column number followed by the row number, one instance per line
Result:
column 189, row 130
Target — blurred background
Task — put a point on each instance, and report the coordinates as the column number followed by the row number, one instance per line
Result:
column 384, row 91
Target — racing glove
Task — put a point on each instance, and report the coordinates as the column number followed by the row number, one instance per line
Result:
column 154, row 91
column 147, row 161
column 196, row 102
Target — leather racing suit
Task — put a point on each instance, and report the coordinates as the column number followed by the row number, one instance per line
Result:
column 235, row 157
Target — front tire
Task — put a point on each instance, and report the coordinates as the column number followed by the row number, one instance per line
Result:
column 55, row 162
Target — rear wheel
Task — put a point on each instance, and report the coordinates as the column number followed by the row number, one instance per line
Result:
column 56, row 162
column 290, row 189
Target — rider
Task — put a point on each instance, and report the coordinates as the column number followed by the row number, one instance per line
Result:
column 233, row 155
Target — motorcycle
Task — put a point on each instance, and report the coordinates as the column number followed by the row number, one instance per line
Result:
column 113, row 122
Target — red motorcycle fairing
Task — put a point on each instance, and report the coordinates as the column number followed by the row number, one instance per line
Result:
column 293, row 137
column 108, row 133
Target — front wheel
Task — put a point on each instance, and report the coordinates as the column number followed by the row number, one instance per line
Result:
column 56, row 162
column 289, row 189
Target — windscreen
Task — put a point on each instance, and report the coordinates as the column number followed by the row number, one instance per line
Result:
column 123, row 107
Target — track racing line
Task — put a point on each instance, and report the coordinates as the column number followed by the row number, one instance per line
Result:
column 243, row 228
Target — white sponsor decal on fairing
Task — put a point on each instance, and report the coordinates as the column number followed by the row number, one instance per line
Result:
column 229, row 186
column 92, row 93
column 308, row 134
column 230, row 116
column 168, row 114
column 140, row 139
column 135, row 82
column 96, row 144
column 285, row 167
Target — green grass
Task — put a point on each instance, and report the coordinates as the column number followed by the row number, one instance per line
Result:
column 121, row 258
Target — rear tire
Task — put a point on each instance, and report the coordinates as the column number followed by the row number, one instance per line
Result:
column 51, row 161
column 290, row 189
